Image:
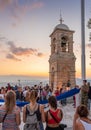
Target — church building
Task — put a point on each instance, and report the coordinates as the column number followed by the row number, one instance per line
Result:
column 62, row 58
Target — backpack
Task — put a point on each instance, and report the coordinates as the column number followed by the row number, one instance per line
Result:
column 33, row 119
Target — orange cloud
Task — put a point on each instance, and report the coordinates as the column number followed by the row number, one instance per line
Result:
column 39, row 54
column 20, row 50
column 12, row 57
column 13, row 52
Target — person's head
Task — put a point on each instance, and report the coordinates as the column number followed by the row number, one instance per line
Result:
column 27, row 87
column 84, row 81
column 82, row 111
column 10, row 100
column 19, row 88
column 2, row 90
column 52, row 102
column 33, row 96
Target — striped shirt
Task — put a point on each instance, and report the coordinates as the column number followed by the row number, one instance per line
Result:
column 10, row 120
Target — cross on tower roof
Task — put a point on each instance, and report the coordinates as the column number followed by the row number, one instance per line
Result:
column 61, row 20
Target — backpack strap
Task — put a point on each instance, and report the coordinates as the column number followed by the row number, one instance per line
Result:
column 28, row 111
column 38, row 108
column 38, row 113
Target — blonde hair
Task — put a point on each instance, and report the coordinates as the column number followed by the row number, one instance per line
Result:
column 10, row 100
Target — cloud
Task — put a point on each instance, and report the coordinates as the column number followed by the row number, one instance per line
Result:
column 14, row 24
column 40, row 54
column 5, row 3
column 12, row 51
column 36, row 5
column 12, row 57
column 18, row 9
column 19, row 51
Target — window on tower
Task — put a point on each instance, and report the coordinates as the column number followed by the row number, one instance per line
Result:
column 64, row 44
column 53, row 45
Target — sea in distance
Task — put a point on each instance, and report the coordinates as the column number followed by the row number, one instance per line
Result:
column 22, row 80
column 28, row 80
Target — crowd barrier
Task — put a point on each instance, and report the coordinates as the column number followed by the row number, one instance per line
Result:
column 60, row 97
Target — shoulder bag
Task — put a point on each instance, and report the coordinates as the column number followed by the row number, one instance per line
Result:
column 62, row 126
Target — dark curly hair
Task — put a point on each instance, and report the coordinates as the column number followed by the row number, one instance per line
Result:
column 82, row 111
column 53, row 102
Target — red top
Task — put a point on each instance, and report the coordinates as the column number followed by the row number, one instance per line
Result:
column 57, row 92
column 54, row 113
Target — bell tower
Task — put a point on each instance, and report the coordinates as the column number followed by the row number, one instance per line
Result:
column 62, row 59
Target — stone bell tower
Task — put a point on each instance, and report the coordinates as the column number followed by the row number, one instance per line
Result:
column 62, row 59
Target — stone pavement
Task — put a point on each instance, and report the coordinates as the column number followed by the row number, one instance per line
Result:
column 69, row 128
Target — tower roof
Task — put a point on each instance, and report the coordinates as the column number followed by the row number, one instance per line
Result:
column 61, row 26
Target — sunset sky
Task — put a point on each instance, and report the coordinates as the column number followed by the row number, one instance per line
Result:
column 25, row 26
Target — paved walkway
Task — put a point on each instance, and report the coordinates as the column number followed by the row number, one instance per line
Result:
column 70, row 128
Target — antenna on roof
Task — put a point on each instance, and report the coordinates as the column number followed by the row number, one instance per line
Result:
column 61, row 20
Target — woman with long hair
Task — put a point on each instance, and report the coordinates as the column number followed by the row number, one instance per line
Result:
column 33, row 113
column 53, row 115
column 10, row 112
column 81, row 120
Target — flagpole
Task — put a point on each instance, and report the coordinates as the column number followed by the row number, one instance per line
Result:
column 83, row 64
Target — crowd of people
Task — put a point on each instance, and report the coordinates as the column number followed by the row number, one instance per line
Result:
column 44, row 92
column 22, row 92
column 34, row 114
